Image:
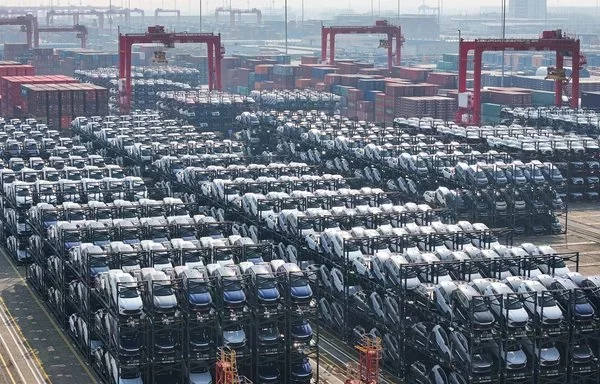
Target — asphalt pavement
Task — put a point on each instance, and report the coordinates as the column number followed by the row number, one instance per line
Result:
column 33, row 349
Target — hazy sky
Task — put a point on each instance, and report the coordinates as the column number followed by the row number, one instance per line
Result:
column 408, row 6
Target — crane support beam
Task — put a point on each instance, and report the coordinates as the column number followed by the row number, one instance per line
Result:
column 80, row 30
column 158, row 11
column 51, row 14
column 158, row 35
column 236, row 11
column 393, row 32
column 30, row 25
column 549, row 41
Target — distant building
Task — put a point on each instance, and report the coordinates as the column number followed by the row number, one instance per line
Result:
column 527, row 9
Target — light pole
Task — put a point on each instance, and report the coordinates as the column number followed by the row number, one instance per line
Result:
column 503, row 37
column 286, row 26
column 200, row 16
column 302, row 12
column 398, row 12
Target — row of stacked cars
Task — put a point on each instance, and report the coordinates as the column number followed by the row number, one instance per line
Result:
column 572, row 159
column 365, row 253
column 397, row 271
column 151, row 287
column 488, row 186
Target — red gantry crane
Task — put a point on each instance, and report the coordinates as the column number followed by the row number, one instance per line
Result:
column 469, row 105
column 29, row 24
column 393, row 32
column 157, row 35
column 158, row 11
column 80, row 30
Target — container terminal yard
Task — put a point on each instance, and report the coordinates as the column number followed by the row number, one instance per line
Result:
column 279, row 192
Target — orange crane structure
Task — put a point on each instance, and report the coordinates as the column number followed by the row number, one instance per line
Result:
column 80, row 30
column 469, row 104
column 393, row 32
column 226, row 369
column 367, row 372
column 157, row 35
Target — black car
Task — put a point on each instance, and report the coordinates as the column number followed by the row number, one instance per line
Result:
column 478, row 362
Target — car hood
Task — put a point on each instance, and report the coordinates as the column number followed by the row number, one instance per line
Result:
column 168, row 301
column 301, row 292
column 518, row 315
column 516, row 357
column 550, row 355
column 582, row 353
column 482, row 361
column 268, row 294
column 552, row 313
column 234, row 297
column 483, row 318
column 200, row 378
column 584, row 310
column 131, row 304
column 301, row 370
column 302, row 330
column 234, row 337
column 200, row 298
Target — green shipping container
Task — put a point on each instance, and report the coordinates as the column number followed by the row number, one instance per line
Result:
column 542, row 98
column 490, row 109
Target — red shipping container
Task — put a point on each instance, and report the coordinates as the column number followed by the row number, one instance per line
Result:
column 309, row 60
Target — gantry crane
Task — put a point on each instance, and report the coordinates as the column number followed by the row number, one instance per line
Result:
column 236, row 11
column 158, row 11
column 76, row 14
column 393, row 33
column 469, row 104
column 157, row 35
column 80, row 30
column 30, row 25
column 226, row 369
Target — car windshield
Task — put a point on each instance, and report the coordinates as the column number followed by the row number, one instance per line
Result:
column 196, row 288
column 52, row 176
column 129, row 213
column 128, row 292
column 304, row 224
column 50, row 216
column 352, row 247
column 187, row 232
column 162, row 289
column 557, row 262
column 580, row 298
column 513, row 303
column 546, row 301
column 231, row 284
column 191, row 256
column 155, row 211
column 71, row 236
column 479, row 305
column 298, row 281
column 98, row 261
column 158, row 233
